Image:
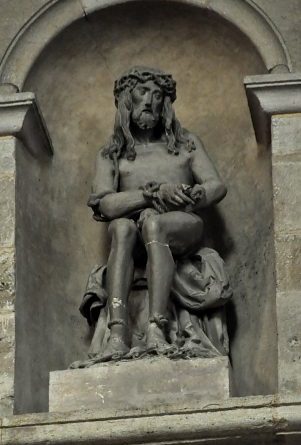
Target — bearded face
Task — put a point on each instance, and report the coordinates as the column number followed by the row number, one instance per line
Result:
column 147, row 101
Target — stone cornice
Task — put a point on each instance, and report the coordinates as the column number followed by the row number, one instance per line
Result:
column 271, row 94
column 268, row 418
column 21, row 117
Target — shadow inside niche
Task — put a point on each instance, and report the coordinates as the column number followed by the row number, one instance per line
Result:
column 216, row 233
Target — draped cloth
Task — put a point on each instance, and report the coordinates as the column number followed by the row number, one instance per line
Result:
column 196, row 313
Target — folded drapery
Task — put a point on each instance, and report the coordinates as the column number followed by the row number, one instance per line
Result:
column 197, row 319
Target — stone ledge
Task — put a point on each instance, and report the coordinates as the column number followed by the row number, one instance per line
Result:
column 235, row 421
column 20, row 116
column 271, row 94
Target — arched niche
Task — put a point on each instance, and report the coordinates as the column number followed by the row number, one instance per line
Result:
column 71, row 69
column 56, row 15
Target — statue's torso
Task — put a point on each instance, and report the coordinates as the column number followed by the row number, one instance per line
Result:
column 154, row 163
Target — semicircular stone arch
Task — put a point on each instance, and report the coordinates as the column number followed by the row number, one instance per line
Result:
column 57, row 15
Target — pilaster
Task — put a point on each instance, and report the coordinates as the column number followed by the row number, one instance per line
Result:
column 21, row 127
column 7, row 272
column 275, row 105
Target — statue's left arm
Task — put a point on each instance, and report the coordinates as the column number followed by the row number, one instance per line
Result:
column 205, row 174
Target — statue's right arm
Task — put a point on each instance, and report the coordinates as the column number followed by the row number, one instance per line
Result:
column 116, row 205
column 110, row 203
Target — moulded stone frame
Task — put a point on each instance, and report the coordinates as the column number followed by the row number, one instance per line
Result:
column 268, row 416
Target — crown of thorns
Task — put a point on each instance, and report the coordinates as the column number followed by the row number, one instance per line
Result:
column 140, row 75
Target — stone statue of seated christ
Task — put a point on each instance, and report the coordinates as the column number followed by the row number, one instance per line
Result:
column 153, row 181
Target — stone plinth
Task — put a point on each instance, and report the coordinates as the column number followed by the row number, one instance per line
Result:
column 140, row 384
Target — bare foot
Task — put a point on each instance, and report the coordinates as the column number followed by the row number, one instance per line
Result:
column 156, row 341
column 115, row 349
column 136, row 352
column 193, row 348
column 86, row 363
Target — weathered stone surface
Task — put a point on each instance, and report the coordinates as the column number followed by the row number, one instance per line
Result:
column 286, row 134
column 6, row 394
column 7, row 209
column 287, row 186
column 288, row 261
column 7, row 155
column 289, row 338
column 7, row 343
column 7, row 277
column 144, row 383
column 7, row 338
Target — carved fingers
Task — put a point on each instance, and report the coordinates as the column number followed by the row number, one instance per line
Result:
column 167, row 197
column 198, row 193
column 175, row 194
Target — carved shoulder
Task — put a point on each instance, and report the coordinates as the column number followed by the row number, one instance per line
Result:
column 195, row 140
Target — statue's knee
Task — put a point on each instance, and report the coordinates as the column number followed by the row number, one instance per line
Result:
column 123, row 229
column 152, row 229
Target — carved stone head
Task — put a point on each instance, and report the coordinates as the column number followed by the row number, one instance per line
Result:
column 144, row 97
column 141, row 74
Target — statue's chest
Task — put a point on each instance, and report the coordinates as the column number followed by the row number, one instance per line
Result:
column 154, row 164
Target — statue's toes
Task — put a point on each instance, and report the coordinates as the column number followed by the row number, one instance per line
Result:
column 135, row 352
column 173, row 352
column 103, row 358
column 194, row 350
column 107, row 357
column 115, row 350
column 75, row 365
column 118, row 355
column 169, row 350
column 160, row 348
column 81, row 364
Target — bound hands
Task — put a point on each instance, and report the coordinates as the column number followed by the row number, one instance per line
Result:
column 167, row 197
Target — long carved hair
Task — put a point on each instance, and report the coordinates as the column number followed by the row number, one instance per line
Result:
column 121, row 143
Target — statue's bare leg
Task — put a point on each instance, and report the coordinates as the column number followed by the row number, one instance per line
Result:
column 167, row 235
column 120, row 271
